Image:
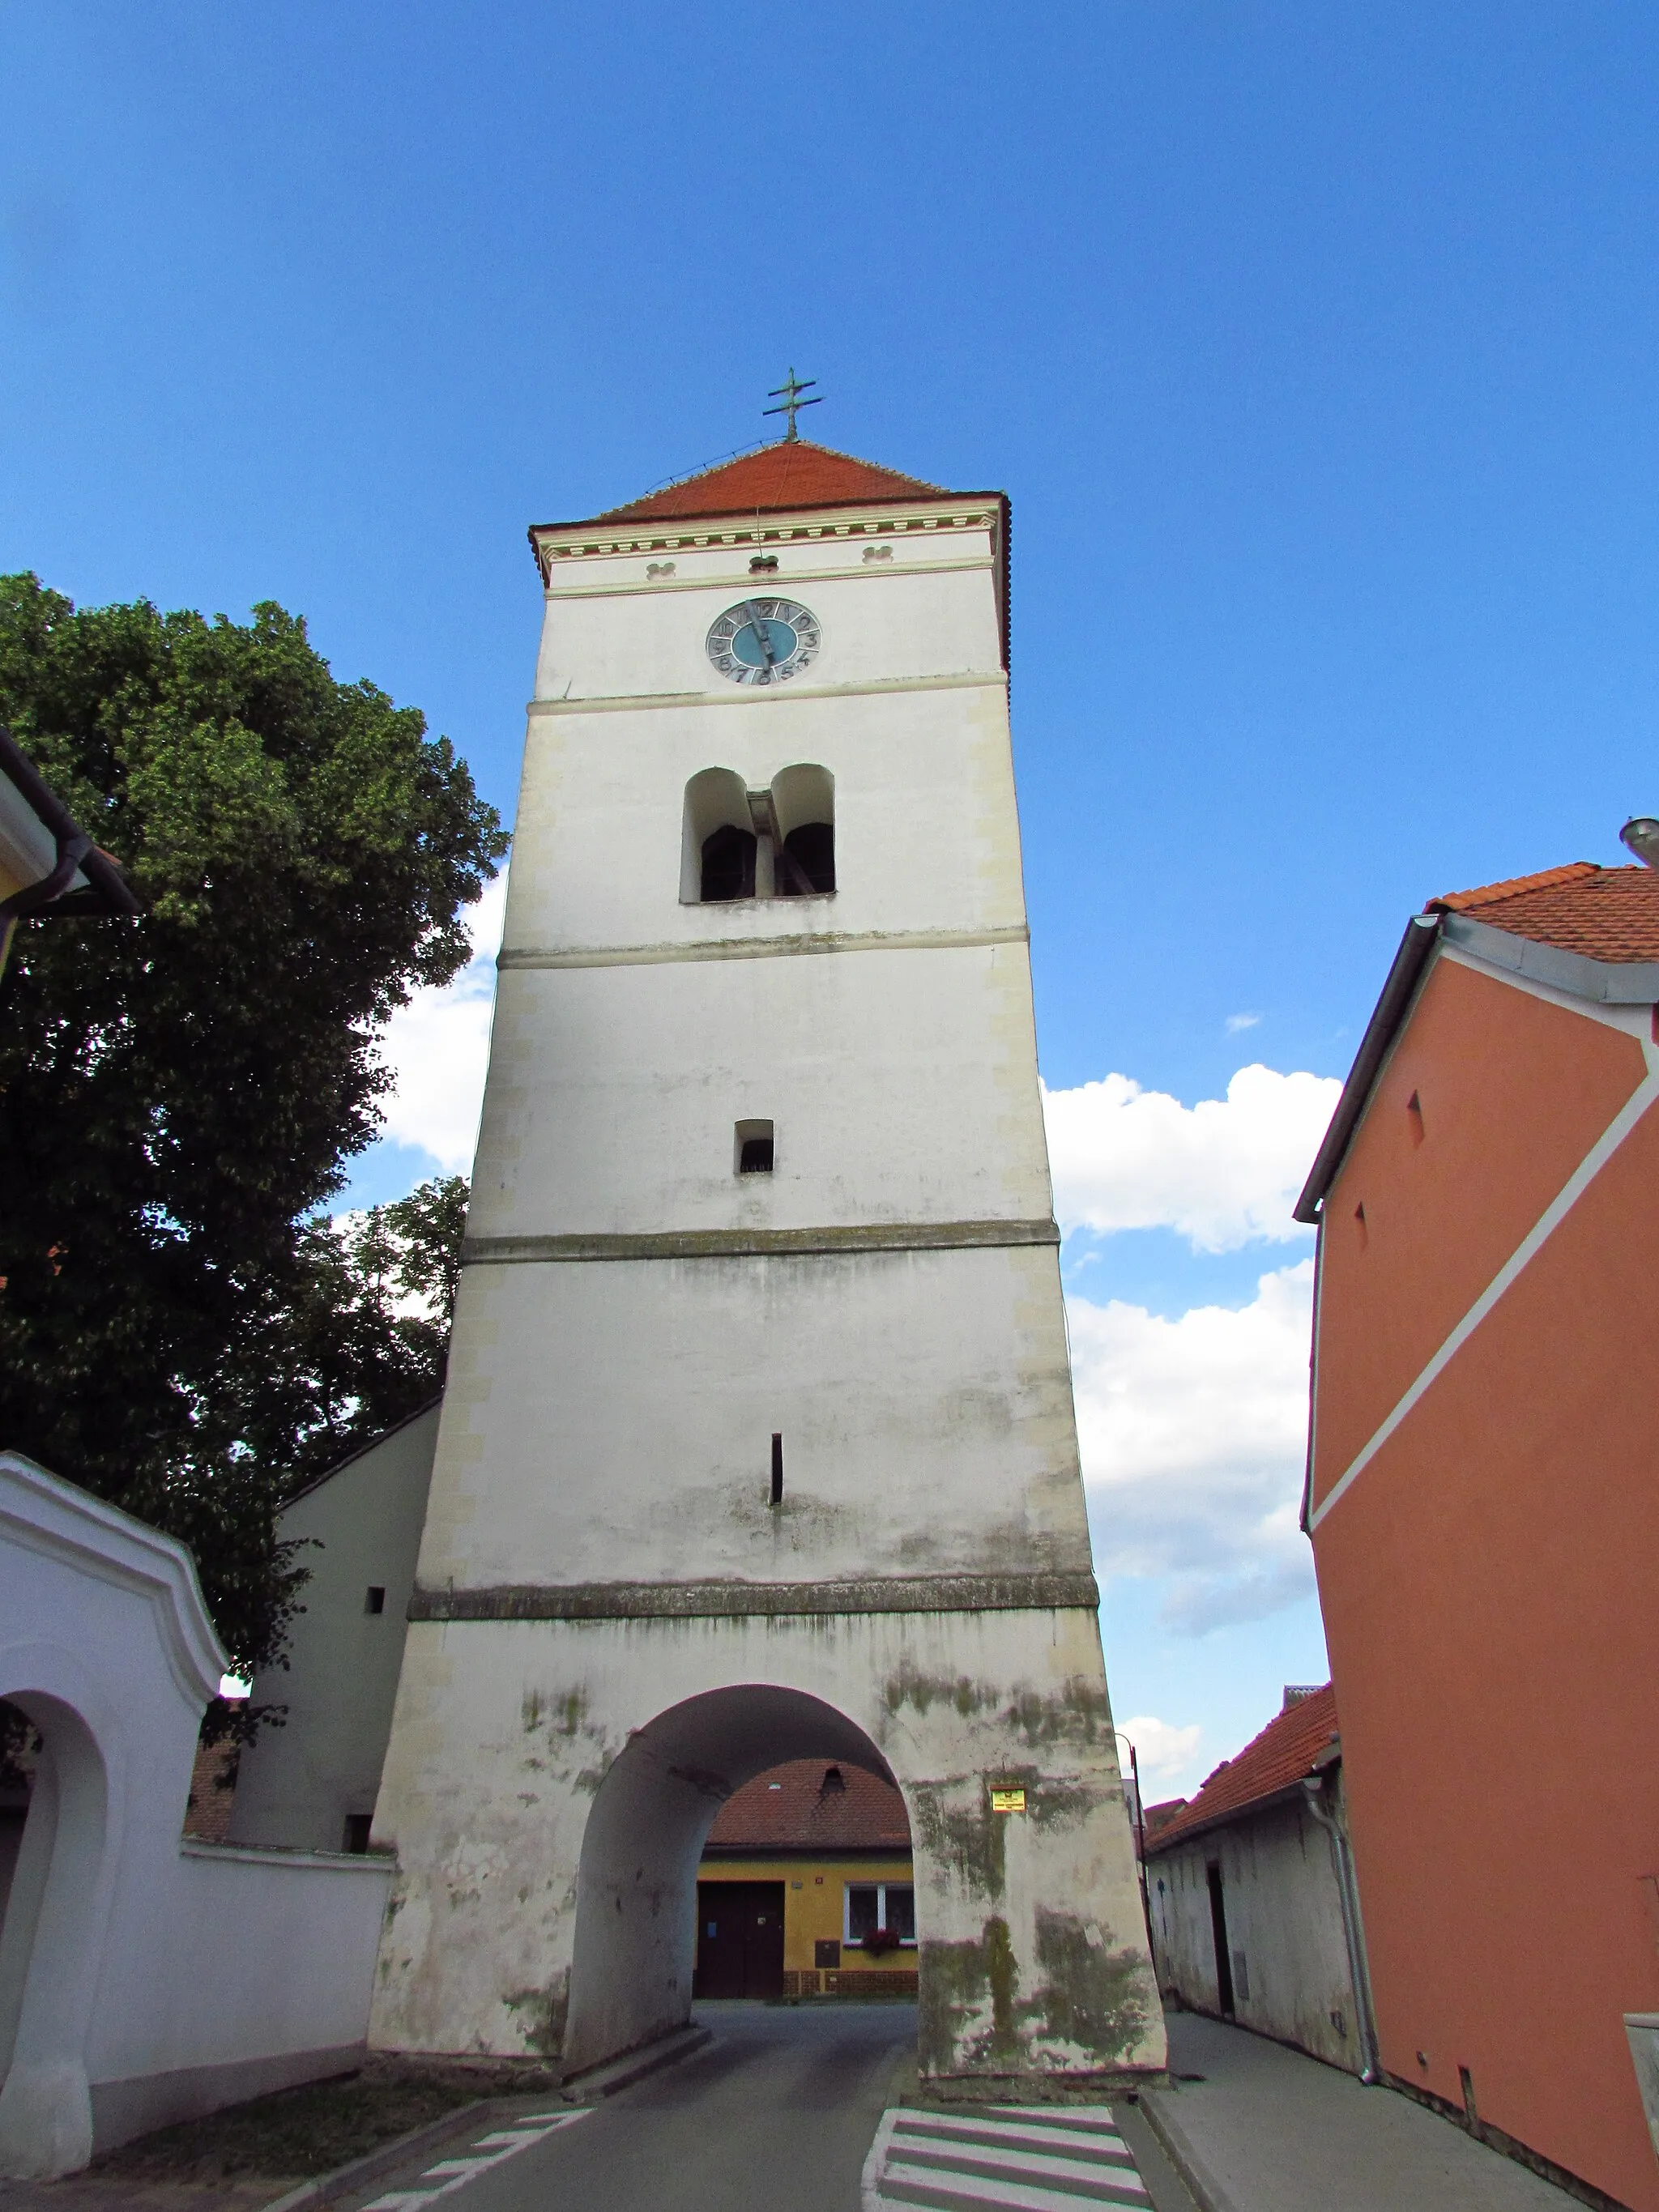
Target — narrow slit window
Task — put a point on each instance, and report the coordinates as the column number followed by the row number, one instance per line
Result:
column 375, row 1598
column 1359, row 1223
column 358, row 1826
column 755, row 1150
column 1414, row 1118
column 777, row 1468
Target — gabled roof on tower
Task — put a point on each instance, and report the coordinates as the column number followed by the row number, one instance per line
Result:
column 790, row 474
column 794, row 472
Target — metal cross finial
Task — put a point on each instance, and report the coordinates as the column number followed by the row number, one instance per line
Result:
column 790, row 393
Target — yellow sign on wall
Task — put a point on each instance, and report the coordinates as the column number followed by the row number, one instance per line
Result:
column 1007, row 1801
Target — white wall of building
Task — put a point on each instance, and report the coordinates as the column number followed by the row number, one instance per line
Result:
column 298, row 1784
column 1284, row 1930
column 142, row 1978
column 637, row 1321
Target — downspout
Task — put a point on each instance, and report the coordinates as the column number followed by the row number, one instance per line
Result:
column 71, row 851
column 1348, row 1890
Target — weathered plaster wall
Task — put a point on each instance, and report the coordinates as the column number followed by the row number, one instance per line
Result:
column 513, row 1738
column 637, row 1321
column 361, row 1526
column 1284, row 1923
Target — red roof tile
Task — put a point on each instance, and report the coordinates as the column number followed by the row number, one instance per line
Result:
column 792, row 473
column 1282, row 1753
column 809, row 1805
column 1606, row 914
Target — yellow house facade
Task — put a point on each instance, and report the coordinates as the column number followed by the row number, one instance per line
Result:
column 806, row 1888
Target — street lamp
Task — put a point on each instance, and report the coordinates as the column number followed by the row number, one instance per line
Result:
column 1141, row 1835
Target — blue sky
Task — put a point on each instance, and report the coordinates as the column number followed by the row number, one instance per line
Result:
column 1314, row 345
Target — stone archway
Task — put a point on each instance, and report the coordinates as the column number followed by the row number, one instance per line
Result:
column 48, row 1943
column 631, row 1975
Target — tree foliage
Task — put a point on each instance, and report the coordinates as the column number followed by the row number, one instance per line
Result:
column 178, row 1331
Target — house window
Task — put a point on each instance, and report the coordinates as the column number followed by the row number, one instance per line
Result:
column 375, row 1598
column 870, row 1905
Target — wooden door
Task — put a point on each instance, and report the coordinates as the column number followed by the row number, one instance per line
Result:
column 739, row 1939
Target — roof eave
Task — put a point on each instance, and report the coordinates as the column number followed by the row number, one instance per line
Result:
column 1422, row 934
column 1603, row 982
column 620, row 518
column 1290, row 1792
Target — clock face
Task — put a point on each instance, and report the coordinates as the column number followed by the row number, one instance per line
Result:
column 763, row 640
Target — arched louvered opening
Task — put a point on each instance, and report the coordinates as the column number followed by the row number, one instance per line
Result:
column 804, row 809
column 718, row 843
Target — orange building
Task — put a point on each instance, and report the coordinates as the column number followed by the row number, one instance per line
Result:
column 806, row 1888
column 1484, row 1514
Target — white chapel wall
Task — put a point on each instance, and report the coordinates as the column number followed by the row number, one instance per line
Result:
column 144, row 1978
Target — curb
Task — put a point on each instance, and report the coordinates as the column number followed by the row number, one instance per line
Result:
column 605, row 2080
column 357, row 2173
column 1206, row 2189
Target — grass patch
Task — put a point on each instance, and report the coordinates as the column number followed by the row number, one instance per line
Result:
column 297, row 2133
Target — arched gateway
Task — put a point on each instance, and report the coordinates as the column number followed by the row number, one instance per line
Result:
column 758, row 1441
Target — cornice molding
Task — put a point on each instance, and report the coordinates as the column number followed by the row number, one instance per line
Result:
column 728, row 1601
column 555, row 545
column 761, row 948
column 741, row 581
column 770, row 694
column 834, row 1241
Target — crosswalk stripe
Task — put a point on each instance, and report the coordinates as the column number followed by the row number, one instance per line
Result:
column 1073, row 2141
column 1111, row 2183
column 1059, row 2115
column 451, row 2173
column 938, row 2193
column 1017, row 2157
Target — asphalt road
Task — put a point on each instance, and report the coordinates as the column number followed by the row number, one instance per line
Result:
column 779, row 2111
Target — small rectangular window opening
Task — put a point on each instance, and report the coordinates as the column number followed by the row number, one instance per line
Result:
column 1365, row 1234
column 753, row 1147
column 1415, row 1116
column 1465, row 2083
column 375, row 1598
column 357, row 1825
column 777, row 1468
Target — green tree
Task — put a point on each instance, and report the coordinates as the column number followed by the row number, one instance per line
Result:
column 178, row 1092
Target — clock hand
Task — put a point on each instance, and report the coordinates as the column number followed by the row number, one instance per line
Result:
column 762, row 630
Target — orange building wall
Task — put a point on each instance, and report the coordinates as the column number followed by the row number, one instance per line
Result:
column 1514, row 1093
column 1488, row 1580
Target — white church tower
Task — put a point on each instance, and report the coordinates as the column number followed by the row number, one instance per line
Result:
column 758, row 1442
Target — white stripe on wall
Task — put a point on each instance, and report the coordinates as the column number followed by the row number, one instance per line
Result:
column 1552, row 1216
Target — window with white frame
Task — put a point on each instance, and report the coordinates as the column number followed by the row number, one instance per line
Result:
column 869, row 1907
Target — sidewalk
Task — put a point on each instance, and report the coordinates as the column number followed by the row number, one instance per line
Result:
column 1270, row 2130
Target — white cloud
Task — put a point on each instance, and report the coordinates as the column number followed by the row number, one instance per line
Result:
column 438, row 1046
column 1225, row 1173
column 1164, row 1752
column 1193, row 1434
column 1237, row 1022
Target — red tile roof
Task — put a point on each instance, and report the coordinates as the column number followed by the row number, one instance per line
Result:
column 1158, row 1817
column 812, row 1805
column 1606, row 914
column 1279, row 1758
column 792, row 473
